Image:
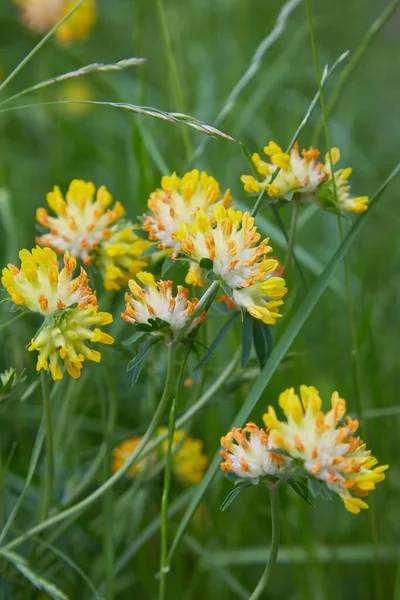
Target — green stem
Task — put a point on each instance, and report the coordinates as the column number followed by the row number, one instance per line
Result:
column 176, row 86
column 38, row 46
column 49, row 479
column 203, row 305
column 6, row 323
column 84, row 504
column 292, row 235
column 164, row 568
column 258, row 202
column 273, row 553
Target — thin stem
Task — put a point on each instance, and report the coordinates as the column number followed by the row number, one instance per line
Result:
column 176, row 86
column 273, row 553
column 6, row 323
column 258, row 202
column 84, row 504
column 164, row 568
column 38, row 46
column 281, row 226
column 49, row 478
column 203, row 305
column 292, row 235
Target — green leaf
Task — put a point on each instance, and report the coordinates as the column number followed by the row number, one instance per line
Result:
column 20, row 563
column 136, row 363
column 247, row 340
column 263, row 342
column 217, row 340
column 280, row 350
column 207, row 264
column 234, row 494
column 166, row 266
column 143, row 235
column 150, row 250
column 301, row 489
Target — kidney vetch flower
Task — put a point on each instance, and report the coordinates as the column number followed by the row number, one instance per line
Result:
column 157, row 301
column 232, row 243
column 248, row 454
column 90, row 230
column 304, row 176
column 325, row 444
column 68, row 305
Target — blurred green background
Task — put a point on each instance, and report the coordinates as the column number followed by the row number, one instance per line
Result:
column 326, row 553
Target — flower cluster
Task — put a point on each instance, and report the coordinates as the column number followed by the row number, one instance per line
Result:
column 68, row 305
column 188, row 460
column 304, row 176
column 40, row 286
column 157, row 301
column 41, row 15
column 248, row 453
column 324, row 444
column 231, row 242
column 90, row 230
column 178, row 201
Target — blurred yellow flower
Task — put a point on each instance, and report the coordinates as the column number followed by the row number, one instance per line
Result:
column 248, row 454
column 231, row 241
column 90, row 230
column 40, row 286
column 41, row 15
column 65, row 339
column 304, row 176
column 325, row 445
column 188, row 460
column 158, row 302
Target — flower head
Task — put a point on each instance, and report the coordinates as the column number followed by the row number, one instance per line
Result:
column 248, row 453
column 65, row 337
column 325, row 444
column 238, row 257
column 178, row 201
column 123, row 452
column 41, row 287
column 304, row 175
column 156, row 301
column 297, row 173
column 188, row 460
column 80, row 23
column 90, row 230
column 41, row 15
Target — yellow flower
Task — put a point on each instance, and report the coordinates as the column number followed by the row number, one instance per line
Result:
column 304, row 175
column 248, row 453
column 41, row 15
column 158, row 302
column 118, row 257
column 122, row 452
column 65, row 338
column 344, row 201
column 178, row 201
column 79, row 25
column 40, row 286
column 325, row 444
column 188, row 461
column 238, row 258
column 297, row 173
column 93, row 232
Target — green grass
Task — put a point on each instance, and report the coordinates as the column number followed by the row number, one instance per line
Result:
column 194, row 61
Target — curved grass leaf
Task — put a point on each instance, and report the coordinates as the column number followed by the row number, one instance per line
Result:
column 234, row 494
column 280, row 350
column 217, row 340
column 247, row 340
